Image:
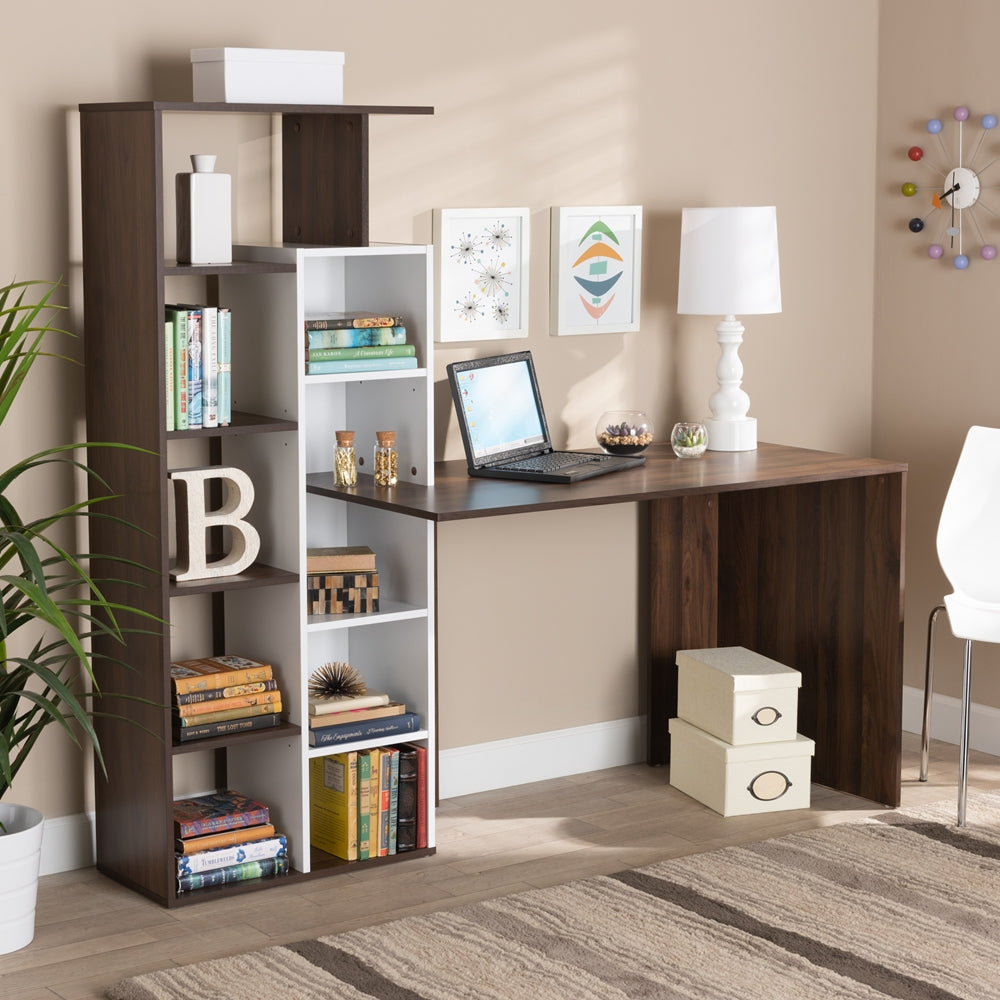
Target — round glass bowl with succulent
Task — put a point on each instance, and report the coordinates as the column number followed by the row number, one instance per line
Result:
column 688, row 439
column 624, row 432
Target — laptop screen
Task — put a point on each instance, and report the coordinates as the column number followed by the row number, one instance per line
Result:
column 499, row 405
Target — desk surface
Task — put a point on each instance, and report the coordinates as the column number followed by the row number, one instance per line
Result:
column 456, row 495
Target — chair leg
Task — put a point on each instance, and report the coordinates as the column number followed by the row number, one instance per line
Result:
column 963, row 763
column 925, row 737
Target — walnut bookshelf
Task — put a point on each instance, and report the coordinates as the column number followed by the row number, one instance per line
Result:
column 281, row 431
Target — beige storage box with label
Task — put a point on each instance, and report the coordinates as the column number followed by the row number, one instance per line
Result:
column 737, row 780
column 737, row 695
column 268, row 76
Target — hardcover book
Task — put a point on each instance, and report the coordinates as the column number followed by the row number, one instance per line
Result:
column 228, row 715
column 358, row 320
column 340, row 559
column 235, row 854
column 225, row 367
column 359, row 365
column 225, row 838
column 346, row 703
column 350, row 732
column 374, row 337
column 210, row 367
column 364, row 804
column 233, row 873
column 406, row 823
column 357, row 715
column 209, row 706
column 230, row 727
column 211, row 672
column 359, row 353
column 333, row 804
column 215, row 811
column 220, row 694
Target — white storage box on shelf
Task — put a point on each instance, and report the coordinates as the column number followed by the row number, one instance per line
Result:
column 268, row 76
column 738, row 780
column 737, row 695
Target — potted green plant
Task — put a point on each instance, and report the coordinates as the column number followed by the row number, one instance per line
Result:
column 52, row 607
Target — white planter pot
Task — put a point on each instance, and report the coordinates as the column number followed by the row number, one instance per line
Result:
column 20, row 852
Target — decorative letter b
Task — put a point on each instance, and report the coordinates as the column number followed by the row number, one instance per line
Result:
column 194, row 521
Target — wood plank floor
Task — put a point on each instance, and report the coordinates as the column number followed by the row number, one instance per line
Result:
column 91, row 932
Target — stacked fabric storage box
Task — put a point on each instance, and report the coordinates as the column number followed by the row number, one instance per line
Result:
column 734, row 745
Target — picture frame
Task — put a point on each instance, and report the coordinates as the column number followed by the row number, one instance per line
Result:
column 481, row 262
column 595, row 288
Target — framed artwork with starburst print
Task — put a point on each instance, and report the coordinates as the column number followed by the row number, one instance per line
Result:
column 596, row 269
column 481, row 261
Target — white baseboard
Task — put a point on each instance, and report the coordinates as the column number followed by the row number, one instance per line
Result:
column 946, row 724
column 501, row 763
column 67, row 843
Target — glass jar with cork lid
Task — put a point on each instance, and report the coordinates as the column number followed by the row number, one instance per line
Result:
column 345, row 463
column 386, row 459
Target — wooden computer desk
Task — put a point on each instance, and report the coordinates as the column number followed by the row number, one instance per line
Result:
column 794, row 553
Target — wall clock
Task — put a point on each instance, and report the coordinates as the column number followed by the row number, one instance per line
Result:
column 955, row 214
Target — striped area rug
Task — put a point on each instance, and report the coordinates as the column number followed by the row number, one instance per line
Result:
column 902, row 905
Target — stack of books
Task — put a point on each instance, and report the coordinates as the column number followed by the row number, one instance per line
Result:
column 348, row 719
column 366, row 804
column 341, row 579
column 198, row 364
column 222, row 695
column 225, row 837
column 357, row 342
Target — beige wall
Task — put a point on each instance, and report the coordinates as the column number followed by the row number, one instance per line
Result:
column 937, row 349
column 538, row 104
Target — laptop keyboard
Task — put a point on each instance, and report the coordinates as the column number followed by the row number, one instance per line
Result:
column 551, row 462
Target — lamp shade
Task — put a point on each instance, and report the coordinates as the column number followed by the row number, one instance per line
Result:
column 729, row 262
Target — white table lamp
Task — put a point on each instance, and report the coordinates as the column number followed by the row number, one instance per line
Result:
column 729, row 267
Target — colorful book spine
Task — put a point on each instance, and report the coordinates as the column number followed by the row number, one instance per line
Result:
column 345, row 703
column 213, row 707
column 374, row 337
column 221, row 857
column 333, row 804
column 233, row 873
column 179, row 318
column 168, row 372
column 210, row 366
column 373, row 729
column 374, row 798
column 364, row 804
column 220, row 694
column 393, row 798
column 225, row 367
column 384, row 777
column 225, row 838
column 209, row 673
column 217, row 811
column 360, row 365
column 195, row 369
column 203, row 730
column 356, row 353
column 227, row 715
column 356, row 321
column 406, row 822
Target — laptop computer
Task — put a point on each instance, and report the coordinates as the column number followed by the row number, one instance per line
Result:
column 503, row 426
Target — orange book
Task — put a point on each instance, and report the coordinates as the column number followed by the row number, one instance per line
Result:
column 211, row 672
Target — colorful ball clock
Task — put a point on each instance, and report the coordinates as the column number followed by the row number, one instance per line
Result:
column 956, row 191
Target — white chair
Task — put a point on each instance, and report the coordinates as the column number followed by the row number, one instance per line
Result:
column 968, row 546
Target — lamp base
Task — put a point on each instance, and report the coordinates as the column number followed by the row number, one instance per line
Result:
column 732, row 435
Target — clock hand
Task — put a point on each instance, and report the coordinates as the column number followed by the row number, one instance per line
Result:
column 936, row 200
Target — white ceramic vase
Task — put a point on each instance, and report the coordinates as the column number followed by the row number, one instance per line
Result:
column 20, row 852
